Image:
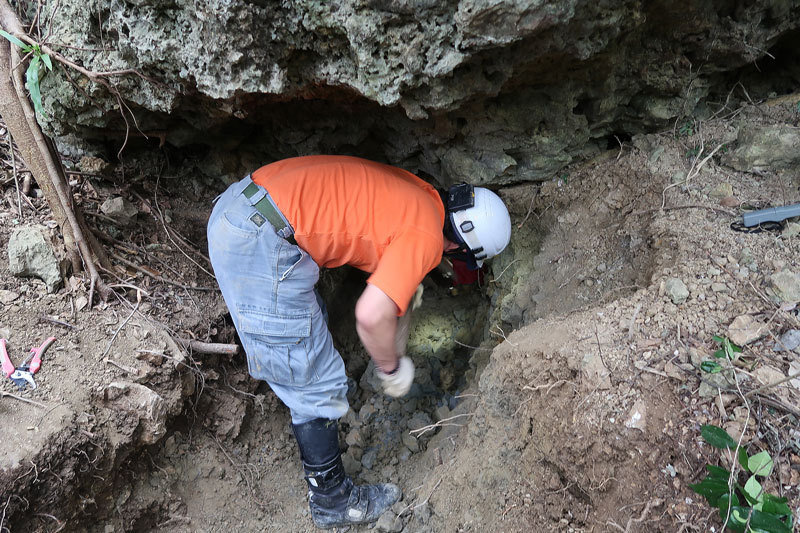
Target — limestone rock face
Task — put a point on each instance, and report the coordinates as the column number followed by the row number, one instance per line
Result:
column 488, row 91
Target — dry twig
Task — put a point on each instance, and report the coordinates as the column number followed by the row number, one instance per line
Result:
column 20, row 398
column 138, row 302
column 692, row 172
column 421, row 431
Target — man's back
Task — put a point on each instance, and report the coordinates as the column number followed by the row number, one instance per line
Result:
column 375, row 217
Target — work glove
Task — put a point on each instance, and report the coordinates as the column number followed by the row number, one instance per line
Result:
column 399, row 382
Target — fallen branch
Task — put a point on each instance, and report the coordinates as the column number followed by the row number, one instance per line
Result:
column 20, row 398
column 126, row 369
column 58, row 322
column 210, row 347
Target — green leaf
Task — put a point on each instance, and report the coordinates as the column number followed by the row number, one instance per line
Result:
column 13, row 39
column 736, row 348
column 767, row 522
column 753, row 490
column 47, row 61
column 32, row 83
column 719, row 354
column 760, row 464
column 737, row 520
column 776, row 506
column 711, row 489
column 710, row 367
column 717, row 437
column 718, row 339
column 715, row 472
column 722, row 505
column 743, row 457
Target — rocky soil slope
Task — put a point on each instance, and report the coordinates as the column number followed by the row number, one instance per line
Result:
column 575, row 405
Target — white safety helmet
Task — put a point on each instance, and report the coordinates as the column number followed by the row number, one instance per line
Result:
column 478, row 221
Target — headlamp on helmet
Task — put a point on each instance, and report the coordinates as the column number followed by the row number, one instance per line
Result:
column 478, row 222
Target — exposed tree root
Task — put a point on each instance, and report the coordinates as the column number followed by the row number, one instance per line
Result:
column 41, row 158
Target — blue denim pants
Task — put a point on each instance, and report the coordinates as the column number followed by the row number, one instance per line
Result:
column 268, row 286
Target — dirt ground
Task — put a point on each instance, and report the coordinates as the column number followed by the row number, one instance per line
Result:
column 582, row 413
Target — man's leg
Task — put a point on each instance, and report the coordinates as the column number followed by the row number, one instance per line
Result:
column 333, row 499
column 268, row 286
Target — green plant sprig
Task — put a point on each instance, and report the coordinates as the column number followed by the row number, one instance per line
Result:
column 747, row 508
column 728, row 350
column 34, row 73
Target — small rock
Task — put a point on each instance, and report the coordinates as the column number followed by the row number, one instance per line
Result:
column 785, row 286
column 369, row 380
column 422, row 513
column 351, row 419
column 351, row 465
column 151, row 357
column 441, row 412
column 773, row 147
column 792, row 230
column 766, row 375
column 367, row 410
column 674, row 372
column 147, row 406
column 745, row 329
column 356, row 452
column 719, row 287
column 794, row 368
column 709, row 388
column 410, row 442
column 81, row 302
column 723, row 190
column 419, row 420
column 676, row 290
column 354, row 438
column 729, row 201
column 29, row 254
column 596, row 372
column 789, row 341
column 636, row 418
column 678, row 177
column 6, row 297
column 707, row 391
column 389, row 522
column 119, row 209
column 369, row 458
column 93, row 165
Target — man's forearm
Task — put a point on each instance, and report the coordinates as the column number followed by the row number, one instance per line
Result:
column 376, row 324
column 379, row 340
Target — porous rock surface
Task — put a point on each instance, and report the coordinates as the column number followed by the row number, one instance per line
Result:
column 488, row 91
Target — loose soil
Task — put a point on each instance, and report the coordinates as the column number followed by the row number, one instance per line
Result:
column 574, row 406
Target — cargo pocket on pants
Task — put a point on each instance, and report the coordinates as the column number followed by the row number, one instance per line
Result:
column 279, row 348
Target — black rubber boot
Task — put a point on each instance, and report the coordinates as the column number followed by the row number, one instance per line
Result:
column 333, row 499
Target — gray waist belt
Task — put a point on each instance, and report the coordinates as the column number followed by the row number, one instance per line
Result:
column 265, row 207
